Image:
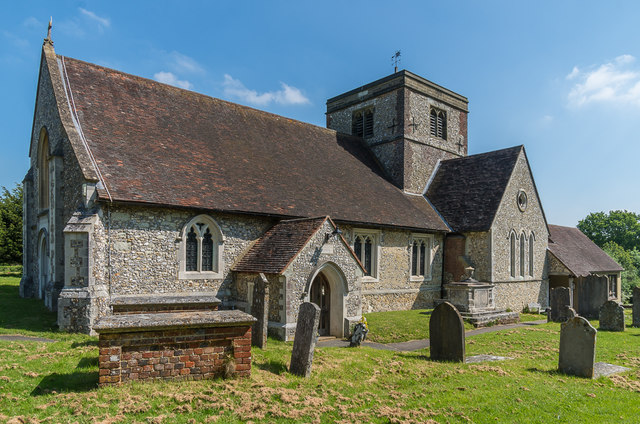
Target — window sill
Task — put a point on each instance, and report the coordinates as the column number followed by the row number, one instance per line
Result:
column 420, row 278
column 369, row 279
column 193, row 275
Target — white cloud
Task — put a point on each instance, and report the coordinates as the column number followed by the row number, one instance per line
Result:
column 33, row 23
column 181, row 63
column 102, row 22
column 288, row 95
column 171, row 79
column 617, row 81
column 18, row 42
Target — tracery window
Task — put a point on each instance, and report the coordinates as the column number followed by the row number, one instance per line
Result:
column 512, row 254
column 531, row 238
column 522, row 254
column 201, row 256
column 362, row 123
column 365, row 246
column 438, row 123
column 43, row 170
column 421, row 256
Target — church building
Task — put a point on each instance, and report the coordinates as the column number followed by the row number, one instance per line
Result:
column 139, row 189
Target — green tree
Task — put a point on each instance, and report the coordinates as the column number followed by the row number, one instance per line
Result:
column 630, row 261
column 11, row 225
column 620, row 227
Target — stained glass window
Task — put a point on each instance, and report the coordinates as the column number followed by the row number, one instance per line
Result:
column 192, row 251
column 207, row 251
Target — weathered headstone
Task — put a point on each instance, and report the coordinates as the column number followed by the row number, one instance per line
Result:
column 558, row 299
column 446, row 334
column 305, row 339
column 577, row 347
column 260, row 310
column 636, row 307
column 611, row 316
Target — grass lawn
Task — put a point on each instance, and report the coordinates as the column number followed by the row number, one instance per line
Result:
column 56, row 382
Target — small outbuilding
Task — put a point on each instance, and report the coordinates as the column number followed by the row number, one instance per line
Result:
column 579, row 264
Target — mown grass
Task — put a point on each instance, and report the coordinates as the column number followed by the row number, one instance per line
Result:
column 56, row 382
column 402, row 326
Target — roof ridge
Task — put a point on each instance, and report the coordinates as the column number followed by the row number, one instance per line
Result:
column 197, row 93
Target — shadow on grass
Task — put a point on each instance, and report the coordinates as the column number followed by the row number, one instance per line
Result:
column 23, row 314
column 546, row 372
column 85, row 343
column 88, row 362
column 273, row 366
column 78, row 381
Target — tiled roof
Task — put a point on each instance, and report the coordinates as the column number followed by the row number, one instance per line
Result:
column 275, row 250
column 578, row 253
column 467, row 191
column 157, row 144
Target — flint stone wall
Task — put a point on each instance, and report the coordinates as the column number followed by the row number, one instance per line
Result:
column 299, row 274
column 145, row 245
column 394, row 288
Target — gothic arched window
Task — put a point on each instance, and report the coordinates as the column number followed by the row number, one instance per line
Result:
column 531, row 238
column 365, row 247
column 438, row 123
column 512, row 254
column 43, row 170
column 522, row 254
column 201, row 256
column 421, row 256
column 362, row 123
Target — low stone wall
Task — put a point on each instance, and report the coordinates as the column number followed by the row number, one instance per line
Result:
column 177, row 345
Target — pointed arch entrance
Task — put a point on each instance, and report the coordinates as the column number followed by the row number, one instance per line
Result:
column 327, row 288
column 43, row 265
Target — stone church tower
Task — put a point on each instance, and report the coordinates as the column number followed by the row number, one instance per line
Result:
column 408, row 122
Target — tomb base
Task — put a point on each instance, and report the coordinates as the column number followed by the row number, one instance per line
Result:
column 474, row 301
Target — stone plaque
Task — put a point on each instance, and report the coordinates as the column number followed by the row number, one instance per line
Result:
column 559, row 299
column 577, row 347
column 636, row 307
column 611, row 316
column 305, row 339
column 260, row 310
column 446, row 334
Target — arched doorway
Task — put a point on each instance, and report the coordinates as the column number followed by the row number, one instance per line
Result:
column 321, row 296
column 43, row 265
column 327, row 288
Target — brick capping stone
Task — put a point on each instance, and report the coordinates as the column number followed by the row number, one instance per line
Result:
column 166, row 320
column 191, row 345
column 164, row 302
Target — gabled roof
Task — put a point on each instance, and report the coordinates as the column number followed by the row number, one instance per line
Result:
column 467, row 191
column 158, row 144
column 578, row 253
column 277, row 248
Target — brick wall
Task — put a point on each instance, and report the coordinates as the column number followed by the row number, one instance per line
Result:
column 178, row 353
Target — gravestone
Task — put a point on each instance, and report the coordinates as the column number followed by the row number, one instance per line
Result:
column 305, row 339
column 636, row 307
column 611, row 316
column 559, row 298
column 577, row 347
column 260, row 311
column 446, row 334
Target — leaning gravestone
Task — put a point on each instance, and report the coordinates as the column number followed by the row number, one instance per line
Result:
column 577, row 347
column 446, row 334
column 559, row 298
column 305, row 339
column 260, row 311
column 636, row 307
column 611, row 316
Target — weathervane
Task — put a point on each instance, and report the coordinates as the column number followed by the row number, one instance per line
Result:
column 395, row 59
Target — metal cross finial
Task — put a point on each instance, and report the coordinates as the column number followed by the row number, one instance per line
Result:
column 395, row 59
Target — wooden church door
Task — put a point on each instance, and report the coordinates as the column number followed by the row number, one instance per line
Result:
column 320, row 295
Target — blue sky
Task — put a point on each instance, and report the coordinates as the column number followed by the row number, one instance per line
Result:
column 562, row 78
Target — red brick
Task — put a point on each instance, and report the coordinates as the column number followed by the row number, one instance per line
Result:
column 103, row 371
column 242, row 354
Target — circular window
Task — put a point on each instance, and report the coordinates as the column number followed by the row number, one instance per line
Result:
column 522, row 200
